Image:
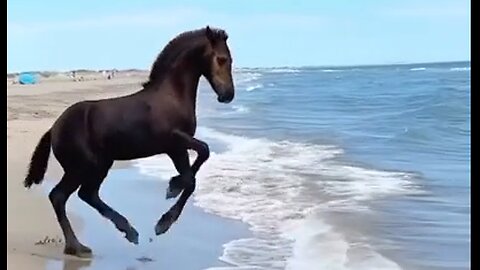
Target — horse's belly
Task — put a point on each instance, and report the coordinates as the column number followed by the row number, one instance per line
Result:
column 133, row 147
column 127, row 152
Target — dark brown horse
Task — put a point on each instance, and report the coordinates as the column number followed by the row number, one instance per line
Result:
column 159, row 119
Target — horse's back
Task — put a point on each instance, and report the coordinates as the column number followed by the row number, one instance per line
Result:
column 121, row 128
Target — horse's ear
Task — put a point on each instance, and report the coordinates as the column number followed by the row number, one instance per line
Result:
column 210, row 35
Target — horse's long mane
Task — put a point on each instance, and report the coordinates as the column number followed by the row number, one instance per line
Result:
column 182, row 43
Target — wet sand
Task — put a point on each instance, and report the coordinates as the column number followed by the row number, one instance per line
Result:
column 193, row 242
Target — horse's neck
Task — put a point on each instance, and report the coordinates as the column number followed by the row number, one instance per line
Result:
column 187, row 82
column 180, row 83
column 182, row 80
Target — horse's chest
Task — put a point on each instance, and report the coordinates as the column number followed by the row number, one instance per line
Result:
column 184, row 121
column 189, row 127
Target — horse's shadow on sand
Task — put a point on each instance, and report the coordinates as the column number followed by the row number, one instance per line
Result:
column 69, row 264
column 75, row 263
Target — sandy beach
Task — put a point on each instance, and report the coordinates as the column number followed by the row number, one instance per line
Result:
column 31, row 111
column 34, row 238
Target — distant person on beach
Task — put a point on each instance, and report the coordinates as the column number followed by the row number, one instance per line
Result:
column 110, row 75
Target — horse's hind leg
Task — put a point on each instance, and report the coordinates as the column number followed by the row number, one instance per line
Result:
column 182, row 164
column 58, row 197
column 89, row 193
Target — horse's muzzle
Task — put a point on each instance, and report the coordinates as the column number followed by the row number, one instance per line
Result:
column 226, row 98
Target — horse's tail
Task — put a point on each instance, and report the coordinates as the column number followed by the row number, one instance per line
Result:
column 39, row 161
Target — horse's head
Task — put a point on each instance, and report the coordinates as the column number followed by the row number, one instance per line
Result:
column 218, row 65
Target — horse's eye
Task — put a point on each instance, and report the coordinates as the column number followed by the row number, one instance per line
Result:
column 221, row 61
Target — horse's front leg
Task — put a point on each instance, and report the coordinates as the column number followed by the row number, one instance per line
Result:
column 186, row 179
column 177, row 183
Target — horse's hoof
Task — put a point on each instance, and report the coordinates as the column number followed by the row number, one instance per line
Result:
column 132, row 236
column 164, row 224
column 79, row 250
column 172, row 193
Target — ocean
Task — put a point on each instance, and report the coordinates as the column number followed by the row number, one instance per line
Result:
column 362, row 167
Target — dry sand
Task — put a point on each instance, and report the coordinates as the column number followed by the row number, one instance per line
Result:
column 31, row 109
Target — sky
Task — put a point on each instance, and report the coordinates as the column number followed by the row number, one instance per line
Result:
column 65, row 35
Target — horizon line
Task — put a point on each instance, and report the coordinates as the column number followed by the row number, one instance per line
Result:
column 259, row 67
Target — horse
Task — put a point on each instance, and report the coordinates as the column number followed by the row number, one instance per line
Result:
column 160, row 118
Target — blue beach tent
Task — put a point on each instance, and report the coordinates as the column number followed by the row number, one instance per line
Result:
column 27, row 78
